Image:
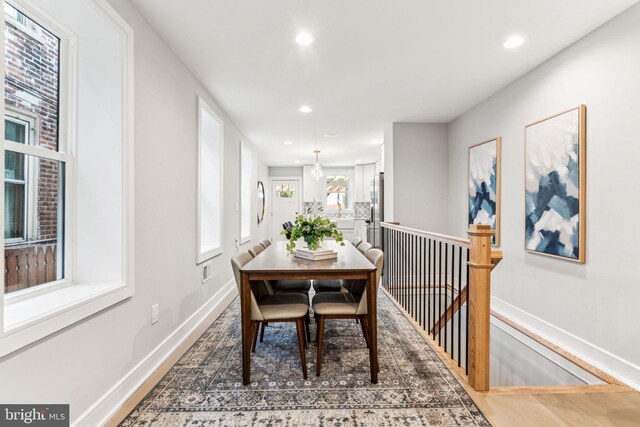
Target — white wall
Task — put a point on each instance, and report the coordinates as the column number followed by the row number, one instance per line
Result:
column 591, row 308
column 387, row 168
column 417, row 175
column 285, row 171
column 81, row 363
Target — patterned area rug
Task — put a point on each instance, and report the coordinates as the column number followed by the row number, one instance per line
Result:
column 205, row 387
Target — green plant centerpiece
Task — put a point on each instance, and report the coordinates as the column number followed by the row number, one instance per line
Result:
column 313, row 230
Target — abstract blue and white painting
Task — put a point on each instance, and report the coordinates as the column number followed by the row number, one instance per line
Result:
column 553, row 180
column 484, row 186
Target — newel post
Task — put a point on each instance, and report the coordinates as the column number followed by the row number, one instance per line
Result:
column 479, row 289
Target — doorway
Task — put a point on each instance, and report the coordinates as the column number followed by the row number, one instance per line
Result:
column 285, row 203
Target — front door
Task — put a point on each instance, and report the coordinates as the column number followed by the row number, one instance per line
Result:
column 285, row 204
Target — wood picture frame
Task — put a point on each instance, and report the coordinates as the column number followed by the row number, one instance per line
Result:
column 555, row 185
column 483, row 185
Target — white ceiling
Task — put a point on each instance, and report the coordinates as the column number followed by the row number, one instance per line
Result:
column 373, row 62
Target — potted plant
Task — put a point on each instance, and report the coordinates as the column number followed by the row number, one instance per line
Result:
column 312, row 230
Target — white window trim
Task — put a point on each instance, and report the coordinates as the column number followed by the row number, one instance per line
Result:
column 244, row 148
column 69, row 304
column 330, row 171
column 205, row 256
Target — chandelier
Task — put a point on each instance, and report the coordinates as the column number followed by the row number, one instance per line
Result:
column 316, row 172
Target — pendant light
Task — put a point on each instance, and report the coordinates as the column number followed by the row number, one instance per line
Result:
column 317, row 172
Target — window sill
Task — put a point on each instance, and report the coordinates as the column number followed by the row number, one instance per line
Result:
column 31, row 319
column 209, row 255
column 245, row 239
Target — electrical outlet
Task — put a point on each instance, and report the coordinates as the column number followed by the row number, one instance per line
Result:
column 155, row 310
column 206, row 272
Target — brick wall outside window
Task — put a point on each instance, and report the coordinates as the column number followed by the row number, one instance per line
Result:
column 31, row 86
column 31, row 91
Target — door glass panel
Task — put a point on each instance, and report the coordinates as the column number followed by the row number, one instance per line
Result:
column 285, row 191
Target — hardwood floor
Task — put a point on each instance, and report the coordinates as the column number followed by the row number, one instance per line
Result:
column 590, row 405
column 575, row 409
column 596, row 405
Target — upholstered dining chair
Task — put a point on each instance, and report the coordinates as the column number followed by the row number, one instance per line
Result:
column 279, row 287
column 265, row 243
column 337, row 285
column 364, row 247
column 256, row 250
column 344, row 305
column 274, row 308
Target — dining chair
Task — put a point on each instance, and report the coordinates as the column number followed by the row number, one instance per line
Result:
column 256, row 250
column 279, row 287
column 274, row 308
column 265, row 243
column 338, row 285
column 345, row 305
column 364, row 247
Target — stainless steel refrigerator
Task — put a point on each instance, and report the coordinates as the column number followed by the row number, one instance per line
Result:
column 376, row 194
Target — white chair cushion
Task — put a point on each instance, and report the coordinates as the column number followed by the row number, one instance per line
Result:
column 337, row 303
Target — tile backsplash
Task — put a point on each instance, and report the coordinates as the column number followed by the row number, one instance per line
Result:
column 311, row 207
column 362, row 209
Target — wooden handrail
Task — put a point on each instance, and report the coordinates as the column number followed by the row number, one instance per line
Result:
column 419, row 280
column 481, row 261
column 436, row 236
column 458, row 302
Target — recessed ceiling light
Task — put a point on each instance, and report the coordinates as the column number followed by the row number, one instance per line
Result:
column 358, row 161
column 305, row 109
column 330, row 135
column 376, row 142
column 513, row 41
column 304, row 39
column 296, row 162
column 288, row 142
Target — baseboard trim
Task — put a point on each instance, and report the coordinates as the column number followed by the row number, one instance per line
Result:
column 618, row 368
column 116, row 403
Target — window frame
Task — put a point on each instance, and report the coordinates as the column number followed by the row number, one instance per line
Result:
column 66, row 142
column 201, row 256
column 345, row 172
column 245, row 191
column 37, row 312
column 30, row 126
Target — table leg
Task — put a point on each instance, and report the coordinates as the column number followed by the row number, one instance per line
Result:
column 245, row 310
column 372, row 324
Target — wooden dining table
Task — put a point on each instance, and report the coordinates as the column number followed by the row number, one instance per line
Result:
column 277, row 263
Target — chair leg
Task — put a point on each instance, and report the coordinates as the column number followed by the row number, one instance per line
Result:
column 365, row 332
column 264, row 325
column 254, row 331
column 320, row 336
column 301, row 344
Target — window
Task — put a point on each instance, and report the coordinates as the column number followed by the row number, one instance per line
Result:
column 34, row 159
column 286, row 191
column 210, row 144
column 68, row 236
column 14, row 15
column 245, row 193
column 338, row 191
column 15, row 184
